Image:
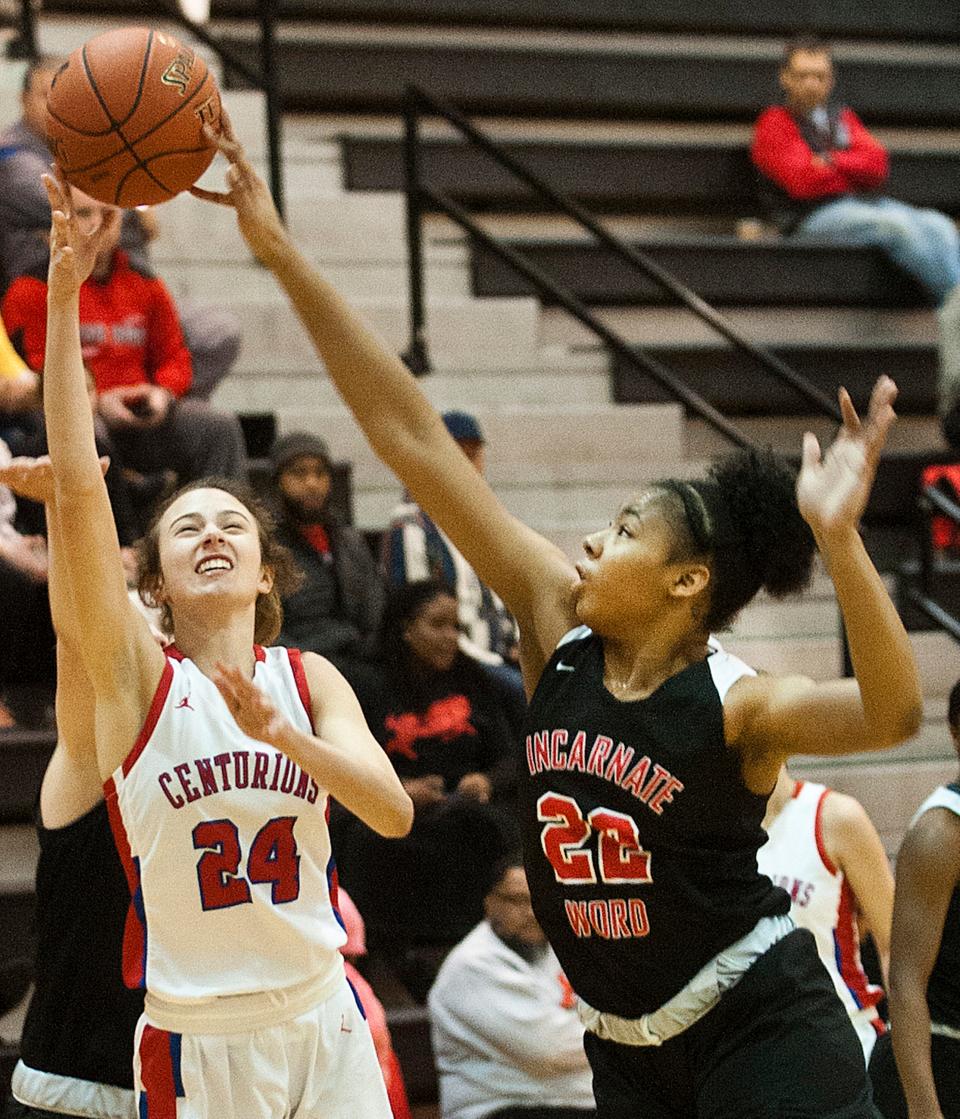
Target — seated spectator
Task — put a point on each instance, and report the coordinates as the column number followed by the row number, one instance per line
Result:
column 822, row 175
column 506, row 1036
column 441, row 722
column 212, row 334
column 415, row 548
column 355, row 947
column 133, row 347
column 338, row 608
column 924, row 1037
column 824, row 851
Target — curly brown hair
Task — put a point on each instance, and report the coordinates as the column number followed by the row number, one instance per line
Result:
column 273, row 555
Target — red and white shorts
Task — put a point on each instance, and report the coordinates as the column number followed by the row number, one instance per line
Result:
column 319, row 1064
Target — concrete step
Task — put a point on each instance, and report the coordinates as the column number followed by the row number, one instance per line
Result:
column 532, row 443
column 769, row 326
column 488, row 330
column 255, row 386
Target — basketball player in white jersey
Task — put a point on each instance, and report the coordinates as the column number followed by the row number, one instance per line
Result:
column 218, row 757
column 824, row 851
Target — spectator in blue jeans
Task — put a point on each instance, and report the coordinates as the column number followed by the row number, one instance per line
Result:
column 821, row 177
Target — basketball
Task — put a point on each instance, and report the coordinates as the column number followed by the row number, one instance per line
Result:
column 125, row 114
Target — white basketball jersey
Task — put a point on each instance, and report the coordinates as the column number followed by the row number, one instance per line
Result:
column 225, row 843
column 795, row 858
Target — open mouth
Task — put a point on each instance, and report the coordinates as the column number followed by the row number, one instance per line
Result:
column 213, row 563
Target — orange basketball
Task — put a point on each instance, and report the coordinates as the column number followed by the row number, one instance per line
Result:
column 125, row 113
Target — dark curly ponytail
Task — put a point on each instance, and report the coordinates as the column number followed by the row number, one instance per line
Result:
column 744, row 517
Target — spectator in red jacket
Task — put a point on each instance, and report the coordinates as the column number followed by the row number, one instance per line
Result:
column 133, row 347
column 822, row 175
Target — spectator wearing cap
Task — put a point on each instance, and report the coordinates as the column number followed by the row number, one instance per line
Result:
column 416, row 548
column 337, row 610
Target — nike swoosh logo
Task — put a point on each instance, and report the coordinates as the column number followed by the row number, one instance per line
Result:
column 561, row 667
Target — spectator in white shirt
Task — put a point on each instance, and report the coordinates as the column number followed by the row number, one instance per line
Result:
column 506, row 1036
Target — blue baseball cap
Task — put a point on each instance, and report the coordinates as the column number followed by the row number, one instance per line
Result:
column 463, row 427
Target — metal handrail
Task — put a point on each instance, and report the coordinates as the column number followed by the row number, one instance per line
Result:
column 417, row 355
column 417, row 98
column 265, row 79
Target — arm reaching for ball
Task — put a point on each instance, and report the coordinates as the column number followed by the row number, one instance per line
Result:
column 530, row 574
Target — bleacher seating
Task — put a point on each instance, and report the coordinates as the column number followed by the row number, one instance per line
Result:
column 725, row 271
column 648, row 77
column 926, row 19
column 699, row 175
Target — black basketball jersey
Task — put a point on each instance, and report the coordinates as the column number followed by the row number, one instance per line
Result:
column 81, row 1018
column 640, row 837
column 943, row 988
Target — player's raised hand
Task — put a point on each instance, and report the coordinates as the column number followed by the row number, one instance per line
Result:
column 32, row 478
column 251, row 708
column 832, row 489
column 73, row 252
column 248, row 194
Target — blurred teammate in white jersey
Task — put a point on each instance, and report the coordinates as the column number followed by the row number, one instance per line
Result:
column 824, row 851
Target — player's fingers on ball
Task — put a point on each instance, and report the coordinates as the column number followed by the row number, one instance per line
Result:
column 211, row 195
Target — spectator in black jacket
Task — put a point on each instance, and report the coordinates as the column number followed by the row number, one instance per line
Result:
column 441, row 720
column 337, row 610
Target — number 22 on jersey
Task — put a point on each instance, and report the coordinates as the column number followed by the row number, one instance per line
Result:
column 620, row 856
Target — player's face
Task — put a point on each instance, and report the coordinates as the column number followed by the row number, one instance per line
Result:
column 210, row 553
column 807, row 80
column 305, row 483
column 509, row 912
column 627, row 571
column 433, row 633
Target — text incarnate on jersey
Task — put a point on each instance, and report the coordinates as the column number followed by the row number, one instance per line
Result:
column 240, row 769
column 650, row 783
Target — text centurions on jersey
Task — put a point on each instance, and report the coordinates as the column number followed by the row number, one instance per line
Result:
column 640, row 837
column 225, row 844
column 794, row 857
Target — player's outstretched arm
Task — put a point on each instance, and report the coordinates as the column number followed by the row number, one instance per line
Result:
column 532, row 576
column 343, row 757
column 928, row 870
column 857, row 850
column 121, row 659
column 883, row 704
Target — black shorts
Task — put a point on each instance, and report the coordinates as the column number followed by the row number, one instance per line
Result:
column 945, row 1060
column 778, row 1045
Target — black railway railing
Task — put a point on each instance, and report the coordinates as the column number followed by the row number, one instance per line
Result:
column 421, row 198
column 266, row 78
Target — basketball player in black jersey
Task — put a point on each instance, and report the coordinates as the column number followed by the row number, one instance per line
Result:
column 650, row 753
column 76, row 1053
column 925, row 962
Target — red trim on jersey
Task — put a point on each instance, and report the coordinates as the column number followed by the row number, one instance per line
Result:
column 303, row 688
column 818, row 834
column 846, row 940
column 259, row 653
column 134, row 952
column 797, row 786
column 172, row 651
column 157, row 1074
column 149, row 724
